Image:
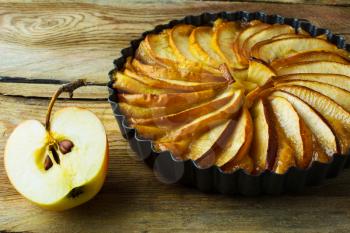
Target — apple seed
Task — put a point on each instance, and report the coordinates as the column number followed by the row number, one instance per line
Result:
column 48, row 163
column 65, row 146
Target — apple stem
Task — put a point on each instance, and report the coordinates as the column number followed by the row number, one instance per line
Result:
column 69, row 87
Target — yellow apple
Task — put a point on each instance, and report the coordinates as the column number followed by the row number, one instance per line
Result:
column 62, row 165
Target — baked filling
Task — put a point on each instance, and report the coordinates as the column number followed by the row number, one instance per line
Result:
column 250, row 96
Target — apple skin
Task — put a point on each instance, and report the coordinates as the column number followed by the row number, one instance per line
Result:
column 90, row 189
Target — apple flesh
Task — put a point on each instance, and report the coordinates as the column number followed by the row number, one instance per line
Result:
column 77, row 171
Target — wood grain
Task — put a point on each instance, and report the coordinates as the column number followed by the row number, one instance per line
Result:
column 134, row 200
column 80, row 40
column 66, row 41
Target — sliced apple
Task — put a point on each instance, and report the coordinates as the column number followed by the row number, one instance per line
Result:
column 285, row 155
column 265, row 34
column 144, row 55
column 178, row 85
column 318, row 152
column 129, row 85
column 259, row 73
column 225, row 33
column 162, row 100
column 200, row 46
column 295, row 129
column 264, row 144
column 246, row 163
column 316, row 124
column 324, row 67
column 268, row 51
column 309, row 56
column 243, row 36
column 151, row 132
column 336, row 80
column 207, row 121
column 206, row 142
column 238, row 142
column 159, row 47
column 337, row 94
column 189, row 114
column 289, row 35
column 336, row 116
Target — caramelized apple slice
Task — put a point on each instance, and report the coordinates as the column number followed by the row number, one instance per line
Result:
column 324, row 67
column 263, row 35
column 225, row 33
column 238, row 140
column 178, row 85
column 132, row 111
column 200, row 46
column 318, row 153
column 168, row 99
column 144, row 55
column 285, row 158
column 264, row 144
column 150, row 132
column 289, row 35
column 159, row 47
column 309, row 56
column 206, row 142
column 207, row 121
column 295, row 129
column 246, row 163
column 338, row 95
column 185, row 73
column 318, row 127
column 268, row 51
column 336, row 80
column 244, row 35
column 259, row 73
column 189, row 114
column 336, row 116
column 179, row 41
column 127, row 84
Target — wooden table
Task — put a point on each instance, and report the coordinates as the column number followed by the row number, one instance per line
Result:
column 65, row 41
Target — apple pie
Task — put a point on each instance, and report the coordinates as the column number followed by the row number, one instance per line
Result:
column 239, row 95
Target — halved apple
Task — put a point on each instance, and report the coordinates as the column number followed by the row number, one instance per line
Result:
column 259, row 73
column 268, row 51
column 51, row 177
column 335, row 115
column 295, row 129
column 336, row 80
column 238, row 142
column 207, row 121
column 337, row 94
column 264, row 144
column 309, row 56
column 200, row 46
column 321, row 131
column 265, row 34
column 324, row 67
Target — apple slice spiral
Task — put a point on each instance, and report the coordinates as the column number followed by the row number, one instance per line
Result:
column 289, row 103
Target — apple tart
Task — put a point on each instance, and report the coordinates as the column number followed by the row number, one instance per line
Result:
column 239, row 95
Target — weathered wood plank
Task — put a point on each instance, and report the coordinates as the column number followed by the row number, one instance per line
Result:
column 132, row 199
column 79, row 40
